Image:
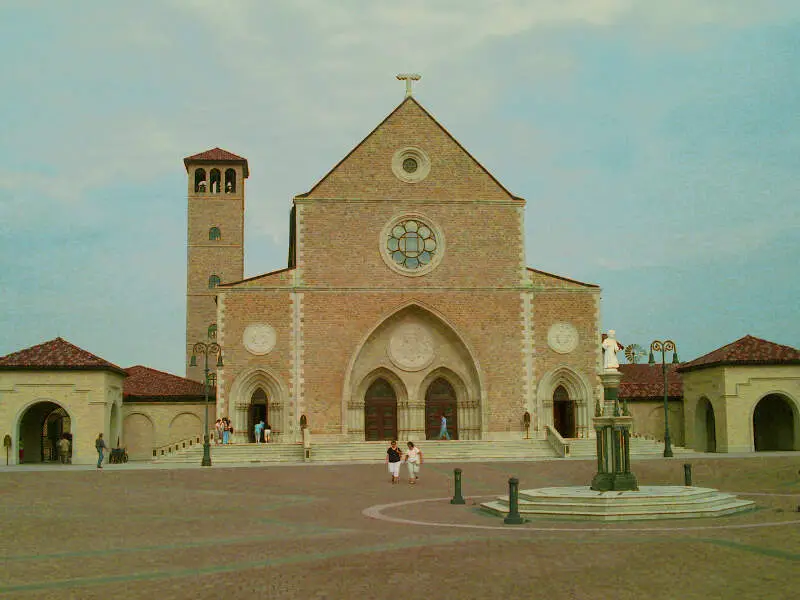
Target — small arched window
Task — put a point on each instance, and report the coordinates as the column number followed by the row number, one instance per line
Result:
column 214, row 233
column 212, row 331
column 216, row 181
column 200, row 183
column 212, row 380
column 213, row 281
column 230, row 181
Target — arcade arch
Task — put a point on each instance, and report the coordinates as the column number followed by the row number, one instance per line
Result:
column 775, row 421
column 41, row 426
column 705, row 426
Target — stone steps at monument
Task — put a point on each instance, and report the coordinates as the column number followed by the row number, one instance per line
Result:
column 650, row 502
column 364, row 452
column 639, row 447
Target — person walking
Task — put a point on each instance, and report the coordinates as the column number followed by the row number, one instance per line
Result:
column 267, row 433
column 413, row 462
column 218, row 432
column 100, row 445
column 443, row 430
column 393, row 458
column 257, row 432
column 63, row 449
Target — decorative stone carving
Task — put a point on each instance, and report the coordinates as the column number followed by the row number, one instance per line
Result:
column 411, row 347
column 562, row 338
column 259, row 338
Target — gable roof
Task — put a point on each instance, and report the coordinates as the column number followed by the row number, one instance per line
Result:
column 644, row 382
column 144, row 382
column 748, row 350
column 408, row 101
column 55, row 355
column 216, row 155
column 547, row 280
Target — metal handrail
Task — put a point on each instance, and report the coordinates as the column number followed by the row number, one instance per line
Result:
column 176, row 446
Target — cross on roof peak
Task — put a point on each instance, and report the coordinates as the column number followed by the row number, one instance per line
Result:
column 409, row 77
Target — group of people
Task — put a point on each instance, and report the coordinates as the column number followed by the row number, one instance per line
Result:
column 223, row 431
column 262, row 432
column 412, row 457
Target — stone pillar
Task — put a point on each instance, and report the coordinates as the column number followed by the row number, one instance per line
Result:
column 613, row 440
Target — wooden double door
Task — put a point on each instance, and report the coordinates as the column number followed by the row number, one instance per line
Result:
column 380, row 412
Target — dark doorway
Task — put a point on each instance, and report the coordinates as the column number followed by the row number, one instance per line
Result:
column 440, row 399
column 380, row 412
column 563, row 413
column 40, row 429
column 773, row 424
column 256, row 414
column 711, row 429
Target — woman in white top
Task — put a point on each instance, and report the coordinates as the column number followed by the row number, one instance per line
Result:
column 413, row 461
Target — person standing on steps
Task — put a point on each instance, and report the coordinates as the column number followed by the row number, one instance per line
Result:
column 443, row 430
column 393, row 458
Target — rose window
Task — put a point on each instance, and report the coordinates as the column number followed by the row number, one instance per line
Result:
column 411, row 244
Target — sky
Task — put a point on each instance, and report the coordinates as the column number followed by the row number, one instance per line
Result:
column 657, row 145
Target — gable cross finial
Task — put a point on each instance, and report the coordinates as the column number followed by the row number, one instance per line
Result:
column 409, row 77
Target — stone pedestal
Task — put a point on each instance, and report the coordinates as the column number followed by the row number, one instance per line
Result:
column 613, row 431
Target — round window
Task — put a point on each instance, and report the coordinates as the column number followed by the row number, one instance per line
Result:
column 410, row 165
column 411, row 245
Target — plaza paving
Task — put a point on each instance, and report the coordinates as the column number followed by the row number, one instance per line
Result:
column 301, row 532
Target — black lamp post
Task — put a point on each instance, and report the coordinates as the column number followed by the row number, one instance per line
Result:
column 664, row 347
column 205, row 350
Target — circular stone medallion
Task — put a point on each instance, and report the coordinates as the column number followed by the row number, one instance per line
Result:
column 411, row 347
column 259, row 338
column 562, row 337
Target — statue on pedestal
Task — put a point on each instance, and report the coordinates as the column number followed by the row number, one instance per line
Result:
column 610, row 348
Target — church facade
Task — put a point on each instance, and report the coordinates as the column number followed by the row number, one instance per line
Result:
column 407, row 296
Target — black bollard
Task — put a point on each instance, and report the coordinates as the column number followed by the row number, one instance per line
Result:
column 457, row 497
column 687, row 474
column 513, row 517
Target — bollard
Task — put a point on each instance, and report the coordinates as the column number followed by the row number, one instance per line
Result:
column 513, row 517
column 687, row 474
column 457, row 497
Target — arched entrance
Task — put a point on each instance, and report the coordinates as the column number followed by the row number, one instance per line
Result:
column 440, row 399
column 41, row 427
column 705, row 426
column 563, row 412
column 773, row 424
column 380, row 411
column 257, row 412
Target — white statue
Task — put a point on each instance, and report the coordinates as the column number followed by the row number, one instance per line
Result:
column 610, row 348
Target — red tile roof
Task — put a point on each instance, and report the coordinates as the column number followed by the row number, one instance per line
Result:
column 144, row 382
column 641, row 382
column 216, row 155
column 56, row 354
column 748, row 350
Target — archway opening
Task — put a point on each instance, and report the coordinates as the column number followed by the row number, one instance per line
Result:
column 257, row 412
column 41, row 429
column 563, row 412
column 773, row 424
column 380, row 412
column 705, row 426
column 440, row 399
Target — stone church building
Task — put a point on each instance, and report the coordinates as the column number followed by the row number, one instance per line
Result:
column 407, row 295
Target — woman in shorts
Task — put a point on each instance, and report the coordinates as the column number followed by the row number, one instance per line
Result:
column 393, row 458
column 413, row 461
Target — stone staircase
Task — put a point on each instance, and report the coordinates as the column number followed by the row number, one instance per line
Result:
column 364, row 452
column 640, row 447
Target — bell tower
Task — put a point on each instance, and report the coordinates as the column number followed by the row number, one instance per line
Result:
column 215, row 243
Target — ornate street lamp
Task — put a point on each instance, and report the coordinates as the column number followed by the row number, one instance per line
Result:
column 664, row 347
column 205, row 350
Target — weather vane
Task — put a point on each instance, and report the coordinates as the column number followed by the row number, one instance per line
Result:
column 409, row 77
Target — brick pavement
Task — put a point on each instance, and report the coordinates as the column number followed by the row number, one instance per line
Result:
column 299, row 532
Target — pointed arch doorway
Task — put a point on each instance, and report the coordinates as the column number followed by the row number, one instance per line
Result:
column 440, row 399
column 563, row 413
column 380, row 411
column 257, row 412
